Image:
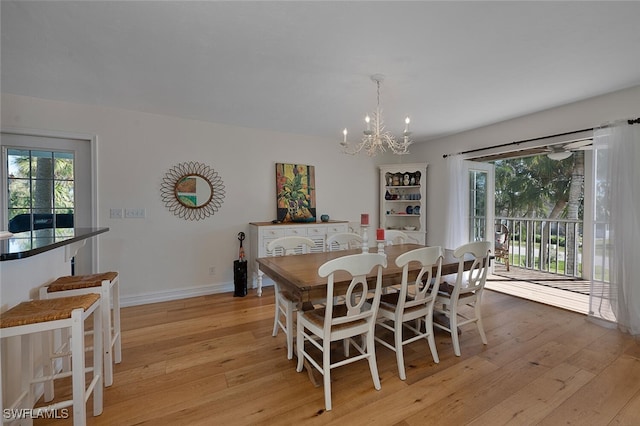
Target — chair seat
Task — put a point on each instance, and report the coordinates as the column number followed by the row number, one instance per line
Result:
column 36, row 311
column 446, row 290
column 73, row 282
column 316, row 316
column 389, row 302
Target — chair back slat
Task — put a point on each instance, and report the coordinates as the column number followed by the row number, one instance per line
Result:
column 286, row 246
column 343, row 241
column 359, row 305
column 476, row 276
column 395, row 237
column 426, row 283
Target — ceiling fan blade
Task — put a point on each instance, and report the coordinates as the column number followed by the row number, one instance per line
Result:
column 578, row 144
column 584, row 148
column 559, row 155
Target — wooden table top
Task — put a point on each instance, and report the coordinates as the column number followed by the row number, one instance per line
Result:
column 299, row 273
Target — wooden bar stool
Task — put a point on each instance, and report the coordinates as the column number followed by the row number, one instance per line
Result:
column 107, row 285
column 45, row 316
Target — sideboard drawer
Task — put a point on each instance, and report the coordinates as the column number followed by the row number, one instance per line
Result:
column 298, row 231
column 317, row 231
column 334, row 229
column 273, row 233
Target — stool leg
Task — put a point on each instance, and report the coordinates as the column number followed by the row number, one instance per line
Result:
column 47, row 355
column 1, row 382
column 77, row 368
column 65, row 345
column 98, row 360
column 2, row 379
column 105, row 307
column 116, row 320
column 48, row 368
column 27, row 374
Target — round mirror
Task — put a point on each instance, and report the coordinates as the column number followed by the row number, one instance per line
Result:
column 192, row 191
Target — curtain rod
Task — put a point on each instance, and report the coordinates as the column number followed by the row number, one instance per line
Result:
column 630, row 122
column 517, row 142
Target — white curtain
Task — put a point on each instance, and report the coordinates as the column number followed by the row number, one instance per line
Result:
column 457, row 232
column 615, row 287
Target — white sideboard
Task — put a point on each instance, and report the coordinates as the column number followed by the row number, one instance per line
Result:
column 261, row 233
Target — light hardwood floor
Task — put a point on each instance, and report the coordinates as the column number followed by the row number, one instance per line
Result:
column 542, row 287
column 212, row 361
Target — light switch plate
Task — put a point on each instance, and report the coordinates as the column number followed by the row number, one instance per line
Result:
column 135, row 213
column 115, row 213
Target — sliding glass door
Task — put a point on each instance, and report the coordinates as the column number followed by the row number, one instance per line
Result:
column 481, row 200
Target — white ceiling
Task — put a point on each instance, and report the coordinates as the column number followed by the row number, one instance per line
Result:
column 304, row 67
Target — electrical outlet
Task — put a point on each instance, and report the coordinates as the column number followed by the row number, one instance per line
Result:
column 135, row 213
column 115, row 213
column 212, row 270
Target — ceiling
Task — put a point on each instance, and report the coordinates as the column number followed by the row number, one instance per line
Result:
column 305, row 67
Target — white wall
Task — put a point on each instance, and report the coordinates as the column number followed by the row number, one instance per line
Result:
column 163, row 256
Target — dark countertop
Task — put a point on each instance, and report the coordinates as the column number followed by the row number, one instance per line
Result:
column 31, row 243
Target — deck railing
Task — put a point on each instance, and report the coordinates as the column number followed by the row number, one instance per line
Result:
column 550, row 245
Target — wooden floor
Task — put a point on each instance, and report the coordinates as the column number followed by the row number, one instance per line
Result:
column 212, row 361
column 552, row 289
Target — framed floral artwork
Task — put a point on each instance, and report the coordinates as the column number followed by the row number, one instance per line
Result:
column 296, row 193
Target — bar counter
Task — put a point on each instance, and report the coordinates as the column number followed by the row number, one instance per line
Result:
column 31, row 243
column 29, row 260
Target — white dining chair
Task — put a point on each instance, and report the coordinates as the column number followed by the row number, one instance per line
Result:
column 343, row 241
column 404, row 309
column 393, row 236
column 356, row 317
column 467, row 291
column 285, row 306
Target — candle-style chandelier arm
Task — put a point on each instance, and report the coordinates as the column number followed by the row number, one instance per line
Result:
column 378, row 139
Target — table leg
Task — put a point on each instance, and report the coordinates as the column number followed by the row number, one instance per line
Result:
column 259, row 280
column 314, row 375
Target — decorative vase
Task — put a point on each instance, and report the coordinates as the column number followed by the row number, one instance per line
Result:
column 324, row 218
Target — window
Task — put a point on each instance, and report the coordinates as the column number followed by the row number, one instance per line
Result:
column 48, row 184
column 41, row 190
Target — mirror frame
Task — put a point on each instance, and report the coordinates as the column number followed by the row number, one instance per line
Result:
column 169, row 192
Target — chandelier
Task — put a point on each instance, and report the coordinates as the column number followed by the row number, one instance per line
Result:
column 376, row 138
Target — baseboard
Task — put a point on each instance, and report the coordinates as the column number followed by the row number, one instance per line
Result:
column 168, row 295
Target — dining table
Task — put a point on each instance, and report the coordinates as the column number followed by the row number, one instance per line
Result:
column 298, row 274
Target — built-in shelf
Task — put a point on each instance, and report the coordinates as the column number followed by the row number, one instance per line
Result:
column 403, row 187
